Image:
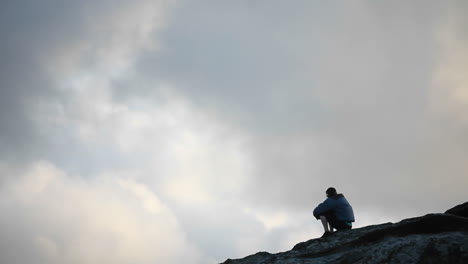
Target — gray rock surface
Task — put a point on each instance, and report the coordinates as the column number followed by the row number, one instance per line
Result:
column 433, row 238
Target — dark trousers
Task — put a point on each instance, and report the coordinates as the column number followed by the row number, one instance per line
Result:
column 335, row 223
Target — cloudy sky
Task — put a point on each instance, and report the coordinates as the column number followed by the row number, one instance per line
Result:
column 195, row 131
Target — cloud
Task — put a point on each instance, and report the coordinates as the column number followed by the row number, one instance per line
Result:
column 50, row 45
column 222, row 123
column 340, row 96
column 51, row 217
column 197, row 163
column 449, row 94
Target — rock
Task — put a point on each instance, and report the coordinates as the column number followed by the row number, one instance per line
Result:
column 460, row 210
column 433, row 238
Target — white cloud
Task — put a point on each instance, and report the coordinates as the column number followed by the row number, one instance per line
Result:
column 190, row 153
column 101, row 220
column 190, row 157
column 449, row 94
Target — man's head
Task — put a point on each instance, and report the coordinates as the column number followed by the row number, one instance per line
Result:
column 331, row 192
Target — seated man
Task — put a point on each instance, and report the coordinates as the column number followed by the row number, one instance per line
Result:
column 334, row 211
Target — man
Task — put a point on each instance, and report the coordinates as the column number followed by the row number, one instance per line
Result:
column 334, row 211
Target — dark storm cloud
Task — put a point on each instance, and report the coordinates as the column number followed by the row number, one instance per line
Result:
column 43, row 44
column 32, row 32
column 20, row 77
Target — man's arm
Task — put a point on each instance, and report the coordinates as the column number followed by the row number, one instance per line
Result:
column 323, row 207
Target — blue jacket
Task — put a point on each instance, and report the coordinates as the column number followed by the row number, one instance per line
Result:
column 339, row 205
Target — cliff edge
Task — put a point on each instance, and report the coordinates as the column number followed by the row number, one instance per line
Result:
column 433, row 238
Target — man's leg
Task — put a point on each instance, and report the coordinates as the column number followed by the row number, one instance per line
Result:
column 325, row 223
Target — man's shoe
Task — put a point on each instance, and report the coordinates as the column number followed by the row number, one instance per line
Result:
column 326, row 234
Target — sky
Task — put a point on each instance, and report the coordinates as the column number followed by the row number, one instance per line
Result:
column 195, row 131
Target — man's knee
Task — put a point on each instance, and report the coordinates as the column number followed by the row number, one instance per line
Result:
column 329, row 216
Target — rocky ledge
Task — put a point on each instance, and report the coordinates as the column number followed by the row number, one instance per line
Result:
column 433, row 238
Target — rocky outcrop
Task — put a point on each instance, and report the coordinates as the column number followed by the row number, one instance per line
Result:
column 433, row 238
column 460, row 210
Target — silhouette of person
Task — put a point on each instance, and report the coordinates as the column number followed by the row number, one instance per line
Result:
column 335, row 212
